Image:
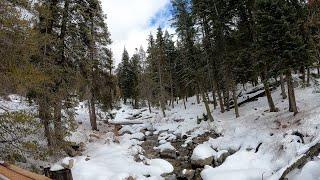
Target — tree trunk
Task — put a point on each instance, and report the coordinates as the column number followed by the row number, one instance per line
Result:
column 44, row 115
column 149, row 105
column 221, row 102
column 283, row 89
column 308, row 76
column 198, row 97
column 93, row 115
column 171, row 90
column 206, row 104
column 303, row 71
column 226, row 99
column 58, row 130
column 215, row 104
column 292, row 99
column 235, row 100
column 184, row 103
column 162, row 98
column 272, row 107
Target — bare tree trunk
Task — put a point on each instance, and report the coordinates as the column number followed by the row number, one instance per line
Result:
column 184, row 103
column 303, row 71
column 149, row 105
column 221, row 102
column 268, row 93
column 308, row 76
column 235, row 100
column 44, row 115
column 58, row 130
column 283, row 89
column 198, row 97
column 206, row 104
column 292, row 99
column 171, row 90
column 162, row 99
column 93, row 115
column 226, row 99
column 215, row 104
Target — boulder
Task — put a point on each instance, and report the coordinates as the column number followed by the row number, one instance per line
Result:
column 202, row 162
column 168, row 153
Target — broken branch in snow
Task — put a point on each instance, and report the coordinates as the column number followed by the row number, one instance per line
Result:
column 302, row 160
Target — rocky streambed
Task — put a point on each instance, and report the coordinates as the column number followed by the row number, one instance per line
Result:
column 178, row 150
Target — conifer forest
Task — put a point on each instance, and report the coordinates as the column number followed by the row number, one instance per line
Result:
column 160, row 89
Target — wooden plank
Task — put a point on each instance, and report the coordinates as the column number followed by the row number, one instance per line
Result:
column 14, row 172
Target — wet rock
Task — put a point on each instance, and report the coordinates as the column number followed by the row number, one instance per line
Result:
column 200, row 163
column 170, row 176
column 125, row 132
column 187, row 174
column 168, row 153
column 221, row 158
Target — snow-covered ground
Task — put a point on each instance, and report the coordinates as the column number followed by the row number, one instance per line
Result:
column 264, row 143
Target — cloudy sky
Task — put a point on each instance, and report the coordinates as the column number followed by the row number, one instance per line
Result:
column 131, row 21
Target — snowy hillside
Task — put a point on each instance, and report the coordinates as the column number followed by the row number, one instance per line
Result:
column 258, row 145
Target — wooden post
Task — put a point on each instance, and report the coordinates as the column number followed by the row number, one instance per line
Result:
column 64, row 174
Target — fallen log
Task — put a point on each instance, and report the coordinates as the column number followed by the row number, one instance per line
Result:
column 301, row 161
column 124, row 122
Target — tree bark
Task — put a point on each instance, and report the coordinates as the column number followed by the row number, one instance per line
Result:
column 235, row 100
column 292, row 99
column 226, row 99
column 58, row 130
column 222, row 110
column 308, row 76
column 283, row 89
column 149, row 105
column 184, row 103
column 93, row 115
column 303, row 71
column 44, row 115
column 215, row 104
column 272, row 107
column 206, row 104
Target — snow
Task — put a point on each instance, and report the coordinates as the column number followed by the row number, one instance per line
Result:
column 243, row 165
column 108, row 160
column 56, row 167
column 163, row 165
column 310, row 171
column 202, row 151
column 165, row 146
column 105, row 159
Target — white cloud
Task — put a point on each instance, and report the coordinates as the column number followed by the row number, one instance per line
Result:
column 129, row 23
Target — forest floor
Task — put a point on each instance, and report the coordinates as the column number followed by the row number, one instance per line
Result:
column 257, row 145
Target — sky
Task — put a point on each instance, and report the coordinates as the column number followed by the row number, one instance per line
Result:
column 131, row 21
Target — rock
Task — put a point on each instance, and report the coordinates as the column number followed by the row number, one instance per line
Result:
column 221, row 158
column 67, row 163
column 124, row 132
column 187, row 174
column 87, row 159
column 170, row 176
column 94, row 136
column 168, row 153
column 202, row 162
column 130, row 178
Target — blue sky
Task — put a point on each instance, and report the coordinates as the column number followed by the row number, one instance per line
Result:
column 131, row 21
